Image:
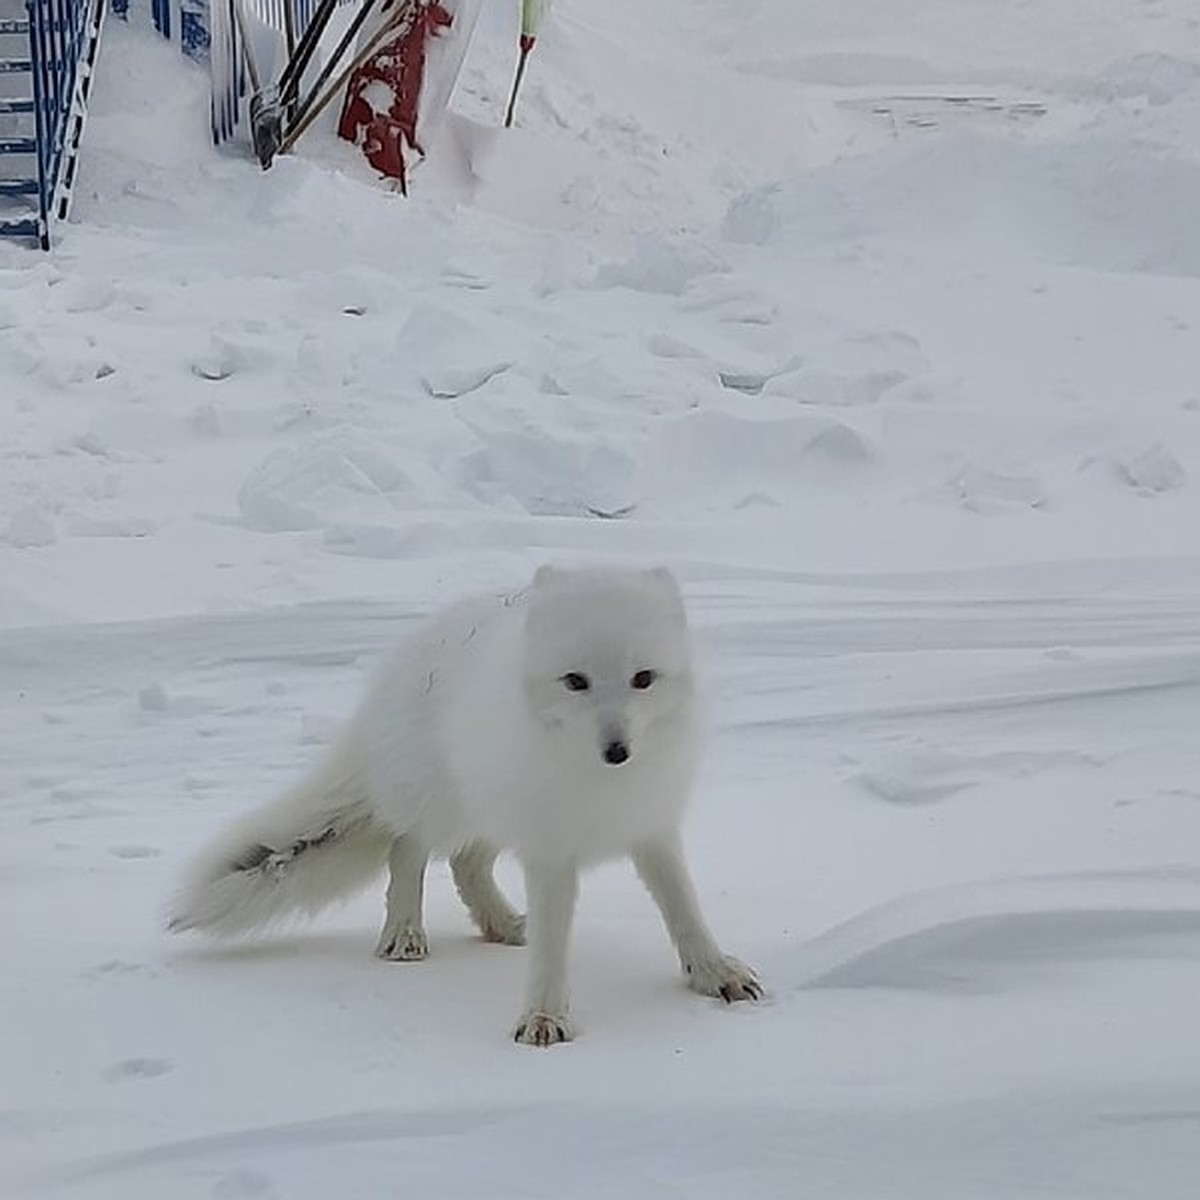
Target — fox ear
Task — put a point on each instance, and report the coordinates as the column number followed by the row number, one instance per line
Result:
column 543, row 575
column 665, row 579
column 668, row 587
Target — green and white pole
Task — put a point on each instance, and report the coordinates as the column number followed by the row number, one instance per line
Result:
column 531, row 18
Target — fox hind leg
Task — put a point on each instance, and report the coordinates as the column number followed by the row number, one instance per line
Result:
column 403, row 938
column 496, row 919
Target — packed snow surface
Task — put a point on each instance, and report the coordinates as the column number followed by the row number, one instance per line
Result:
column 881, row 324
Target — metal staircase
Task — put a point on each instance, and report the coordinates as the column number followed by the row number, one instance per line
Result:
column 19, row 208
column 47, row 55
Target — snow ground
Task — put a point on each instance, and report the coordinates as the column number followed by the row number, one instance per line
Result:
column 909, row 392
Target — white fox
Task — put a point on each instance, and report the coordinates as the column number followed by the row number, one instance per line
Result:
column 560, row 723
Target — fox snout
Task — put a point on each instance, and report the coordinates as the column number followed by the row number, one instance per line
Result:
column 616, row 752
column 614, row 741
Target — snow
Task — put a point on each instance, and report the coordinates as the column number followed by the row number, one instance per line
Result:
column 880, row 324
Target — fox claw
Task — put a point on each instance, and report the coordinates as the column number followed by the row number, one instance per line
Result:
column 543, row 1029
column 725, row 978
column 403, row 945
column 746, row 990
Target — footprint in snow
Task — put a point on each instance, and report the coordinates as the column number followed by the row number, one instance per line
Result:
column 137, row 1068
column 114, row 967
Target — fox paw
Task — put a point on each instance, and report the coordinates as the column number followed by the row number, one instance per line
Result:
column 725, row 978
column 402, row 945
column 504, row 930
column 543, row 1029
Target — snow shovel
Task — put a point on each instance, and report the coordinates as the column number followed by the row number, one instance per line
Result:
column 267, row 104
column 314, row 105
column 300, row 112
column 266, row 116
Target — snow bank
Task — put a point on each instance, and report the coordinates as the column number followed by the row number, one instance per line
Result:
column 1115, row 195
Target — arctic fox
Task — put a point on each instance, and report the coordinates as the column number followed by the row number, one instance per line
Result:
column 560, row 723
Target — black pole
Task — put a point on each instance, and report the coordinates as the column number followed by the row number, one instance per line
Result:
column 526, row 46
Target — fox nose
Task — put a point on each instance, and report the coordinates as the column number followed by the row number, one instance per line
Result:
column 615, row 753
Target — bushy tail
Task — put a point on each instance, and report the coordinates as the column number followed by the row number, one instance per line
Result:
column 317, row 843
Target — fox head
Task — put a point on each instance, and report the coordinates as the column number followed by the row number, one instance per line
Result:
column 607, row 657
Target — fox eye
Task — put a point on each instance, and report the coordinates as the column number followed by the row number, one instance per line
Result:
column 643, row 679
column 573, row 681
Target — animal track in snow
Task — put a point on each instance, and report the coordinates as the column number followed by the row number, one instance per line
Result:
column 137, row 1068
column 926, row 777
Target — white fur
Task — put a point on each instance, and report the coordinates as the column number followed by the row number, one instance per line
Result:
column 469, row 742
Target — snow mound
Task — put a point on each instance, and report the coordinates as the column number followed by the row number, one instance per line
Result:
column 985, row 488
column 552, row 475
column 332, row 477
column 1009, row 934
column 663, row 265
column 1118, row 194
column 450, row 354
column 30, row 527
column 713, row 460
column 1152, row 470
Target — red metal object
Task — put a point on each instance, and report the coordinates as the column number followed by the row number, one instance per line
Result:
column 398, row 69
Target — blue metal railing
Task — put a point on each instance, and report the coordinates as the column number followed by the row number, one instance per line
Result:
column 63, row 38
column 160, row 10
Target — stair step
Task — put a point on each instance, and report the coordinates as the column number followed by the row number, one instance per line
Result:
column 15, row 106
column 27, row 227
column 18, row 145
column 14, row 25
column 18, row 187
column 15, row 66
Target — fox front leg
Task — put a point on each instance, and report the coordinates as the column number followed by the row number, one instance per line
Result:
column 551, row 891
column 663, row 870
